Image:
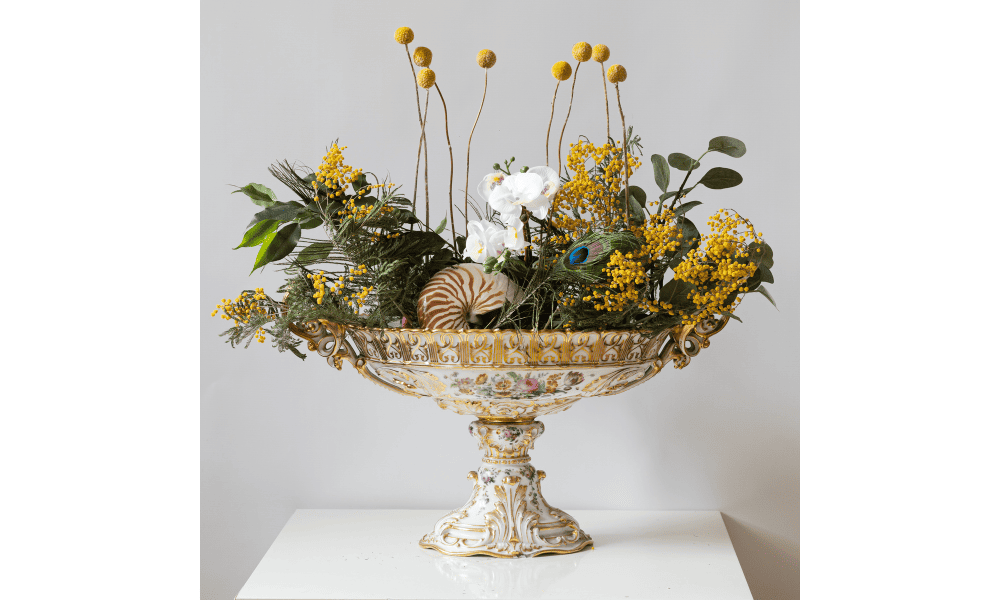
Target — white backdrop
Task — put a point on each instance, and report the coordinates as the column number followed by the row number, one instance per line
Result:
column 283, row 80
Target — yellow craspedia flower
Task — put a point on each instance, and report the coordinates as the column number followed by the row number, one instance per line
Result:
column 582, row 51
column 616, row 74
column 486, row 58
column 561, row 70
column 426, row 78
column 404, row 35
column 422, row 56
column 601, row 53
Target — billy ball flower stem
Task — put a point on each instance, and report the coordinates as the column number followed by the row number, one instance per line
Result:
column 581, row 52
column 404, row 35
column 561, row 71
column 485, row 59
column 416, row 91
column 423, row 141
column 451, row 173
column 601, row 54
column 616, row 75
column 422, row 57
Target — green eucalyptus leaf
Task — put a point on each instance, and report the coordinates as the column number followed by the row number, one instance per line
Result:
column 260, row 195
column 675, row 293
column 258, row 233
column 639, row 193
column 765, row 274
column 315, row 252
column 730, row 315
column 683, row 208
column 360, row 182
column 661, row 172
column 682, row 162
column 720, row 178
column 282, row 211
column 761, row 254
column 727, row 145
column 766, row 294
column 636, row 212
column 441, row 225
column 690, row 238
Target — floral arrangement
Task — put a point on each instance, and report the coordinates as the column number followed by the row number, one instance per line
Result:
column 578, row 246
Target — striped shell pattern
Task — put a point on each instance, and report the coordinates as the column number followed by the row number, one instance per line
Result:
column 458, row 295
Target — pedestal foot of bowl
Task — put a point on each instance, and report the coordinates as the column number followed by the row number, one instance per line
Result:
column 506, row 516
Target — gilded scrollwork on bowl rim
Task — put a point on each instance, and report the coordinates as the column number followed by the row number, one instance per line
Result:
column 497, row 373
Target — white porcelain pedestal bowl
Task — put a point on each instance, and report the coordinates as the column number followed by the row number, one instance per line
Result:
column 506, row 379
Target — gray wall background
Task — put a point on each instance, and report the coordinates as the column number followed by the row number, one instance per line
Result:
column 283, row 80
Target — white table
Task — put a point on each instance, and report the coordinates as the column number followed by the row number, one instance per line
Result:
column 362, row 554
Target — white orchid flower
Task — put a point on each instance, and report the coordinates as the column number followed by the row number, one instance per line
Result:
column 488, row 183
column 514, row 238
column 550, row 182
column 485, row 240
column 533, row 191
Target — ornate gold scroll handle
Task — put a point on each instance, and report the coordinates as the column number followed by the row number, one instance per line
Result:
column 329, row 340
column 686, row 341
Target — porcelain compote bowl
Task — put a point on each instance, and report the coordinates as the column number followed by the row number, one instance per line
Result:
column 506, row 379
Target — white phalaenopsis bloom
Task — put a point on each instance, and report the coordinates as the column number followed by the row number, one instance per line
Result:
column 508, row 194
column 514, row 238
column 485, row 240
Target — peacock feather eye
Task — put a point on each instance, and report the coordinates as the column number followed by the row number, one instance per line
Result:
column 584, row 260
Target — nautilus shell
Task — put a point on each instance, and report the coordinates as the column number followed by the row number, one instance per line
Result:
column 458, row 295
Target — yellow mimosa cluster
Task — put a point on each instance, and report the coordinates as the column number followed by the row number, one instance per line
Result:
column 334, row 173
column 596, row 197
column 721, row 266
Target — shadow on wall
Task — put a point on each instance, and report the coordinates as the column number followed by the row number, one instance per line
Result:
column 770, row 563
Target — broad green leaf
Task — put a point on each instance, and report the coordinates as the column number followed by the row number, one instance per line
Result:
column 259, row 194
column 636, row 212
column 283, row 211
column 406, row 216
column 765, row 274
column 727, row 145
column 767, row 294
column 261, row 254
column 730, row 315
column 312, row 223
column 441, row 225
column 280, row 245
column 720, row 178
column 360, row 182
column 661, row 172
column 675, row 292
column 315, row 252
column 683, row 208
column 639, row 193
column 690, row 238
column 258, row 233
column 682, row 162
column 763, row 258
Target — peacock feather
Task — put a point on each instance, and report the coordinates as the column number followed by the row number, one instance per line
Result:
column 585, row 260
